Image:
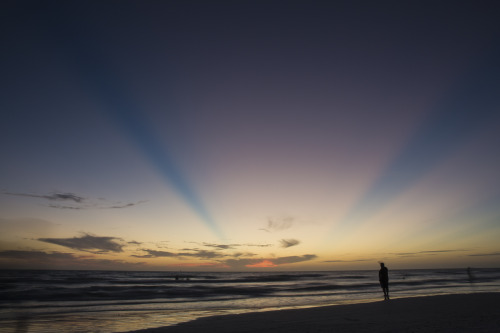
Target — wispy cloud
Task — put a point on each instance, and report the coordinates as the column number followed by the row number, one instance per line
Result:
column 428, row 252
column 194, row 253
column 124, row 205
column 74, row 201
column 258, row 245
column 243, row 254
column 279, row 224
column 294, row 259
column 202, row 254
column 229, row 246
column 485, row 254
column 155, row 254
column 57, row 196
column 289, row 242
column 221, row 246
column 89, row 243
column 66, row 207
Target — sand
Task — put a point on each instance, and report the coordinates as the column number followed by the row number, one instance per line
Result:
column 445, row 313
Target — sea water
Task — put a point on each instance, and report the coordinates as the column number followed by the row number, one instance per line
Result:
column 116, row 301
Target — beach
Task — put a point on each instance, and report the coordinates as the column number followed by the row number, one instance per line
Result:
column 124, row 301
column 478, row 312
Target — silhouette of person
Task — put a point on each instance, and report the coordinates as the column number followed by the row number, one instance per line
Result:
column 383, row 277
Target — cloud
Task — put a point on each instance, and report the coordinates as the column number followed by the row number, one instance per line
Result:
column 293, row 259
column 281, row 224
column 60, row 260
column 259, row 245
column 202, row 254
column 221, row 246
column 485, row 254
column 228, row 246
column 431, row 252
column 156, row 254
column 52, row 197
column 243, row 254
column 65, row 197
column 32, row 259
column 266, row 262
column 76, row 202
column 124, row 205
column 289, row 242
column 194, row 253
column 220, row 251
column 87, row 243
column 65, row 207
column 238, row 259
column 441, row 251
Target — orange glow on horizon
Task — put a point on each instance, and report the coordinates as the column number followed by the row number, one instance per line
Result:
column 263, row 263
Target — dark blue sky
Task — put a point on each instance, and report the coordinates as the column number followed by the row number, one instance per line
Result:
column 217, row 116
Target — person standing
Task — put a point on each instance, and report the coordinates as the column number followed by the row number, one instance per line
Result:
column 383, row 277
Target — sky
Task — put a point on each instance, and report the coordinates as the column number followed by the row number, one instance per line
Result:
column 249, row 135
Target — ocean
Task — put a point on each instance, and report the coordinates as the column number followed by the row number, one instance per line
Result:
column 116, row 301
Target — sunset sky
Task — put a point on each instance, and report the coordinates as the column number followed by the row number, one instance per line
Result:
column 249, row 135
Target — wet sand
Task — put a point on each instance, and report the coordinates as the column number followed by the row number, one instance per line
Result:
column 446, row 313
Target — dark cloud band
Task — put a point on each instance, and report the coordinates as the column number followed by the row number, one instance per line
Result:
column 87, row 243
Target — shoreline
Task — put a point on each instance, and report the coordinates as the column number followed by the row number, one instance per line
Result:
column 474, row 312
